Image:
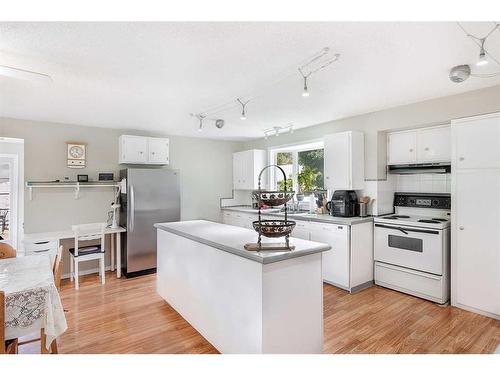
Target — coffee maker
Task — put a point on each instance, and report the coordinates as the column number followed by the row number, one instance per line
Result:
column 344, row 203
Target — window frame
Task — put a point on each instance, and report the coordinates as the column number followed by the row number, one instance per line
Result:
column 294, row 149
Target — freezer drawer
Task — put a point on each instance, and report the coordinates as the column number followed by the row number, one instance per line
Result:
column 420, row 284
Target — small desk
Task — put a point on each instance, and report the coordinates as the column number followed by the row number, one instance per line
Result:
column 68, row 234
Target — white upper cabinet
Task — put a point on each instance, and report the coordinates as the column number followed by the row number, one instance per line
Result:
column 402, row 147
column 428, row 145
column 246, row 168
column 434, row 144
column 477, row 142
column 345, row 161
column 143, row 150
column 158, row 149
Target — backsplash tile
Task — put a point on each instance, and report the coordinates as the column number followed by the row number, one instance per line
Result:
column 424, row 183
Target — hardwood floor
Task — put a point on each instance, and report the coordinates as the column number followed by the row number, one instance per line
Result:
column 127, row 316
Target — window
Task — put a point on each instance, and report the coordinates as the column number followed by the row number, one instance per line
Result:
column 303, row 166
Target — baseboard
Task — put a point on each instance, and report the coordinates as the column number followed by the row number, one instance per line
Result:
column 86, row 272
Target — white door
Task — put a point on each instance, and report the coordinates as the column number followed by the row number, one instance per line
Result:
column 434, row 144
column 158, row 150
column 336, row 261
column 8, row 199
column 476, row 255
column 134, row 149
column 477, row 143
column 410, row 247
column 402, row 147
column 337, row 161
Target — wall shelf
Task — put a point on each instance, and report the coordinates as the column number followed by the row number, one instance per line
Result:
column 70, row 184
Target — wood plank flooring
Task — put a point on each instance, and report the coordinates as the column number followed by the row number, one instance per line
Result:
column 127, row 316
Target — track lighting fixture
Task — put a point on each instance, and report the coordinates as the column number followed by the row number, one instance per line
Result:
column 460, row 73
column 277, row 130
column 243, row 105
column 200, row 118
column 315, row 64
column 305, row 92
column 483, row 60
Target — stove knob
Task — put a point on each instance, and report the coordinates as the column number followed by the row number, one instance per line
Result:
column 435, row 202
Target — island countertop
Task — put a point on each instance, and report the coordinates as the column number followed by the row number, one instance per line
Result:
column 232, row 239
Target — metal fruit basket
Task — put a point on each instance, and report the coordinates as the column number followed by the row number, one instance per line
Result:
column 273, row 198
column 272, row 228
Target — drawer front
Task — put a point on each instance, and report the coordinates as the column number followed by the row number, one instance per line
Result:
column 412, row 282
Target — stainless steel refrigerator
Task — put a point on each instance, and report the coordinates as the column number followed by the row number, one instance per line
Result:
column 151, row 196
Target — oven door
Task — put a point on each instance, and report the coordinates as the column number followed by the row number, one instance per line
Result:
column 416, row 248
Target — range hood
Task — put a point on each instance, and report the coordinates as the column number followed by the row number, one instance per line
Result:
column 420, row 168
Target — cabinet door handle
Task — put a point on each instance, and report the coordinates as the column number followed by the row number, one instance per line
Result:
column 411, row 150
column 152, row 153
column 461, row 158
column 461, row 228
column 426, row 149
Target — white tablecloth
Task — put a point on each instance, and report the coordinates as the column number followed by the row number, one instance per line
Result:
column 32, row 301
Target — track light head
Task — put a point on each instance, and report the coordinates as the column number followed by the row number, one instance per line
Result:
column 483, row 60
column 305, row 92
column 243, row 105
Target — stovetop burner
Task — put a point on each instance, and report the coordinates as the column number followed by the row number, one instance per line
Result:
column 398, row 217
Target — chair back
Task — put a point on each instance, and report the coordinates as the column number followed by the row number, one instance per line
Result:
column 57, row 268
column 7, row 251
column 88, row 232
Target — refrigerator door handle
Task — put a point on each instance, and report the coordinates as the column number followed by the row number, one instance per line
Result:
column 132, row 209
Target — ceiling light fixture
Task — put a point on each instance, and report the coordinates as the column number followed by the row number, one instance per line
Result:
column 200, row 118
column 483, row 60
column 315, row 64
column 277, row 130
column 305, row 92
column 460, row 73
column 243, row 105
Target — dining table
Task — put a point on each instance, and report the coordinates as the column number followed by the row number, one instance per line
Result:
column 32, row 301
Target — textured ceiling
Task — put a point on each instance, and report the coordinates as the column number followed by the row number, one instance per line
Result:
column 151, row 76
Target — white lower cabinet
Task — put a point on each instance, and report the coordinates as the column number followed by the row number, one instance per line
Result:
column 337, row 260
column 348, row 265
column 302, row 230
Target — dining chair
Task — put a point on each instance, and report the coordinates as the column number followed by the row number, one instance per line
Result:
column 7, row 251
column 57, row 268
column 6, row 346
column 78, row 254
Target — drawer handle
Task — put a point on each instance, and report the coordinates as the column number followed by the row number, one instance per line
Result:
column 41, row 243
column 41, row 251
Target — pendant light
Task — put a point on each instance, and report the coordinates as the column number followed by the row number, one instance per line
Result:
column 305, row 92
column 483, row 60
column 243, row 105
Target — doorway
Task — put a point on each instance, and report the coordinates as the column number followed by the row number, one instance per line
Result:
column 11, row 193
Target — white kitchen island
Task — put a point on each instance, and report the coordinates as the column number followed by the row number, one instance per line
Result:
column 242, row 301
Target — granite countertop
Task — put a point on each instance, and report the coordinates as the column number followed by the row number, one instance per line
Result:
column 232, row 239
column 303, row 217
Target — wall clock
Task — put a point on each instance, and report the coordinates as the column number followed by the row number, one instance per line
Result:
column 77, row 154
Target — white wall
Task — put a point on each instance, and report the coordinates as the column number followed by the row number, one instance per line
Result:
column 205, row 167
column 375, row 124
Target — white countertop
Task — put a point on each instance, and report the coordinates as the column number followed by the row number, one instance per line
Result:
column 307, row 217
column 232, row 239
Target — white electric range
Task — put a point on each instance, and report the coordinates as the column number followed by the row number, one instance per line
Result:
column 412, row 246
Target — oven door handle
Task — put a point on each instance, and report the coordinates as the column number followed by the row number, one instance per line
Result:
column 406, row 230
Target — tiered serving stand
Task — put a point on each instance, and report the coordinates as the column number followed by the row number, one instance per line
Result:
column 272, row 228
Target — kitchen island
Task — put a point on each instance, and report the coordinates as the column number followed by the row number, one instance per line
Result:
column 242, row 301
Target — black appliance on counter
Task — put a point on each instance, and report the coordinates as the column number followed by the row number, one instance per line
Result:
column 344, row 203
